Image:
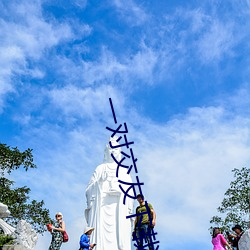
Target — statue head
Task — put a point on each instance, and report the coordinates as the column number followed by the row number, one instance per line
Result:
column 115, row 151
column 4, row 212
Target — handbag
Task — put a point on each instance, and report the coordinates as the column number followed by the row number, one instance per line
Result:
column 65, row 236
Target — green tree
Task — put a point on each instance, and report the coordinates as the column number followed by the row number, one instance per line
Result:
column 6, row 239
column 235, row 207
column 17, row 199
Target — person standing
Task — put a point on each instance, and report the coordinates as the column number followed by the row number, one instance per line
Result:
column 143, row 217
column 85, row 238
column 56, row 231
column 239, row 231
column 218, row 240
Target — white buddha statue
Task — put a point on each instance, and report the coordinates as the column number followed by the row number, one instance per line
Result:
column 105, row 209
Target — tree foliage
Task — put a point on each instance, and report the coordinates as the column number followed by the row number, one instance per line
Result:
column 17, row 199
column 6, row 240
column 13, row 158
column 235, row 207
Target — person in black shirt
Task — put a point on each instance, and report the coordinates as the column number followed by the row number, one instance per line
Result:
column 236, row 237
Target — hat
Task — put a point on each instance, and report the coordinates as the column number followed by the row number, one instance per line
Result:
column 87, row 229
column 237, row 227
column 59, row 213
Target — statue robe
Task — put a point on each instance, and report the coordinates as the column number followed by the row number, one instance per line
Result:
column 106, row 211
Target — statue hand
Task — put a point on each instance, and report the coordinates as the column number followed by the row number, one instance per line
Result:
column 104, row 175
column 91, row 201
column 130, row 210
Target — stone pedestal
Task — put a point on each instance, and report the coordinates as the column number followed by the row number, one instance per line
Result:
column 13, row 247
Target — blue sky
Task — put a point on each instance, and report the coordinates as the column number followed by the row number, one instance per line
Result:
column 178, row 75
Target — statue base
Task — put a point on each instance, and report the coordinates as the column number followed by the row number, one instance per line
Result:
column 12, row 247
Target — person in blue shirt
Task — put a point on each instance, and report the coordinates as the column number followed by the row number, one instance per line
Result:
column 84, row 240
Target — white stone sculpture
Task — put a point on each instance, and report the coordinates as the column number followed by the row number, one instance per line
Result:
column 4, row 212
column 25, row 235
column 244, row 242
column 105, row 209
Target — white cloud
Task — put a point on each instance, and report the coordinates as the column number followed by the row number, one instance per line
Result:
column 10, row 58
column 143, row 63
column 121, row 71
column 191, row 34
column 30, row 32
column 198, row 19
column 80, row 3
column 85, row 102
column 240, row 101
column 25, row 35
column 105, row 69
column 131, row 12
column 217, row 42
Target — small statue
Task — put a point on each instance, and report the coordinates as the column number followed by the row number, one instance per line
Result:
column 4, row 212
column 23, row 234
